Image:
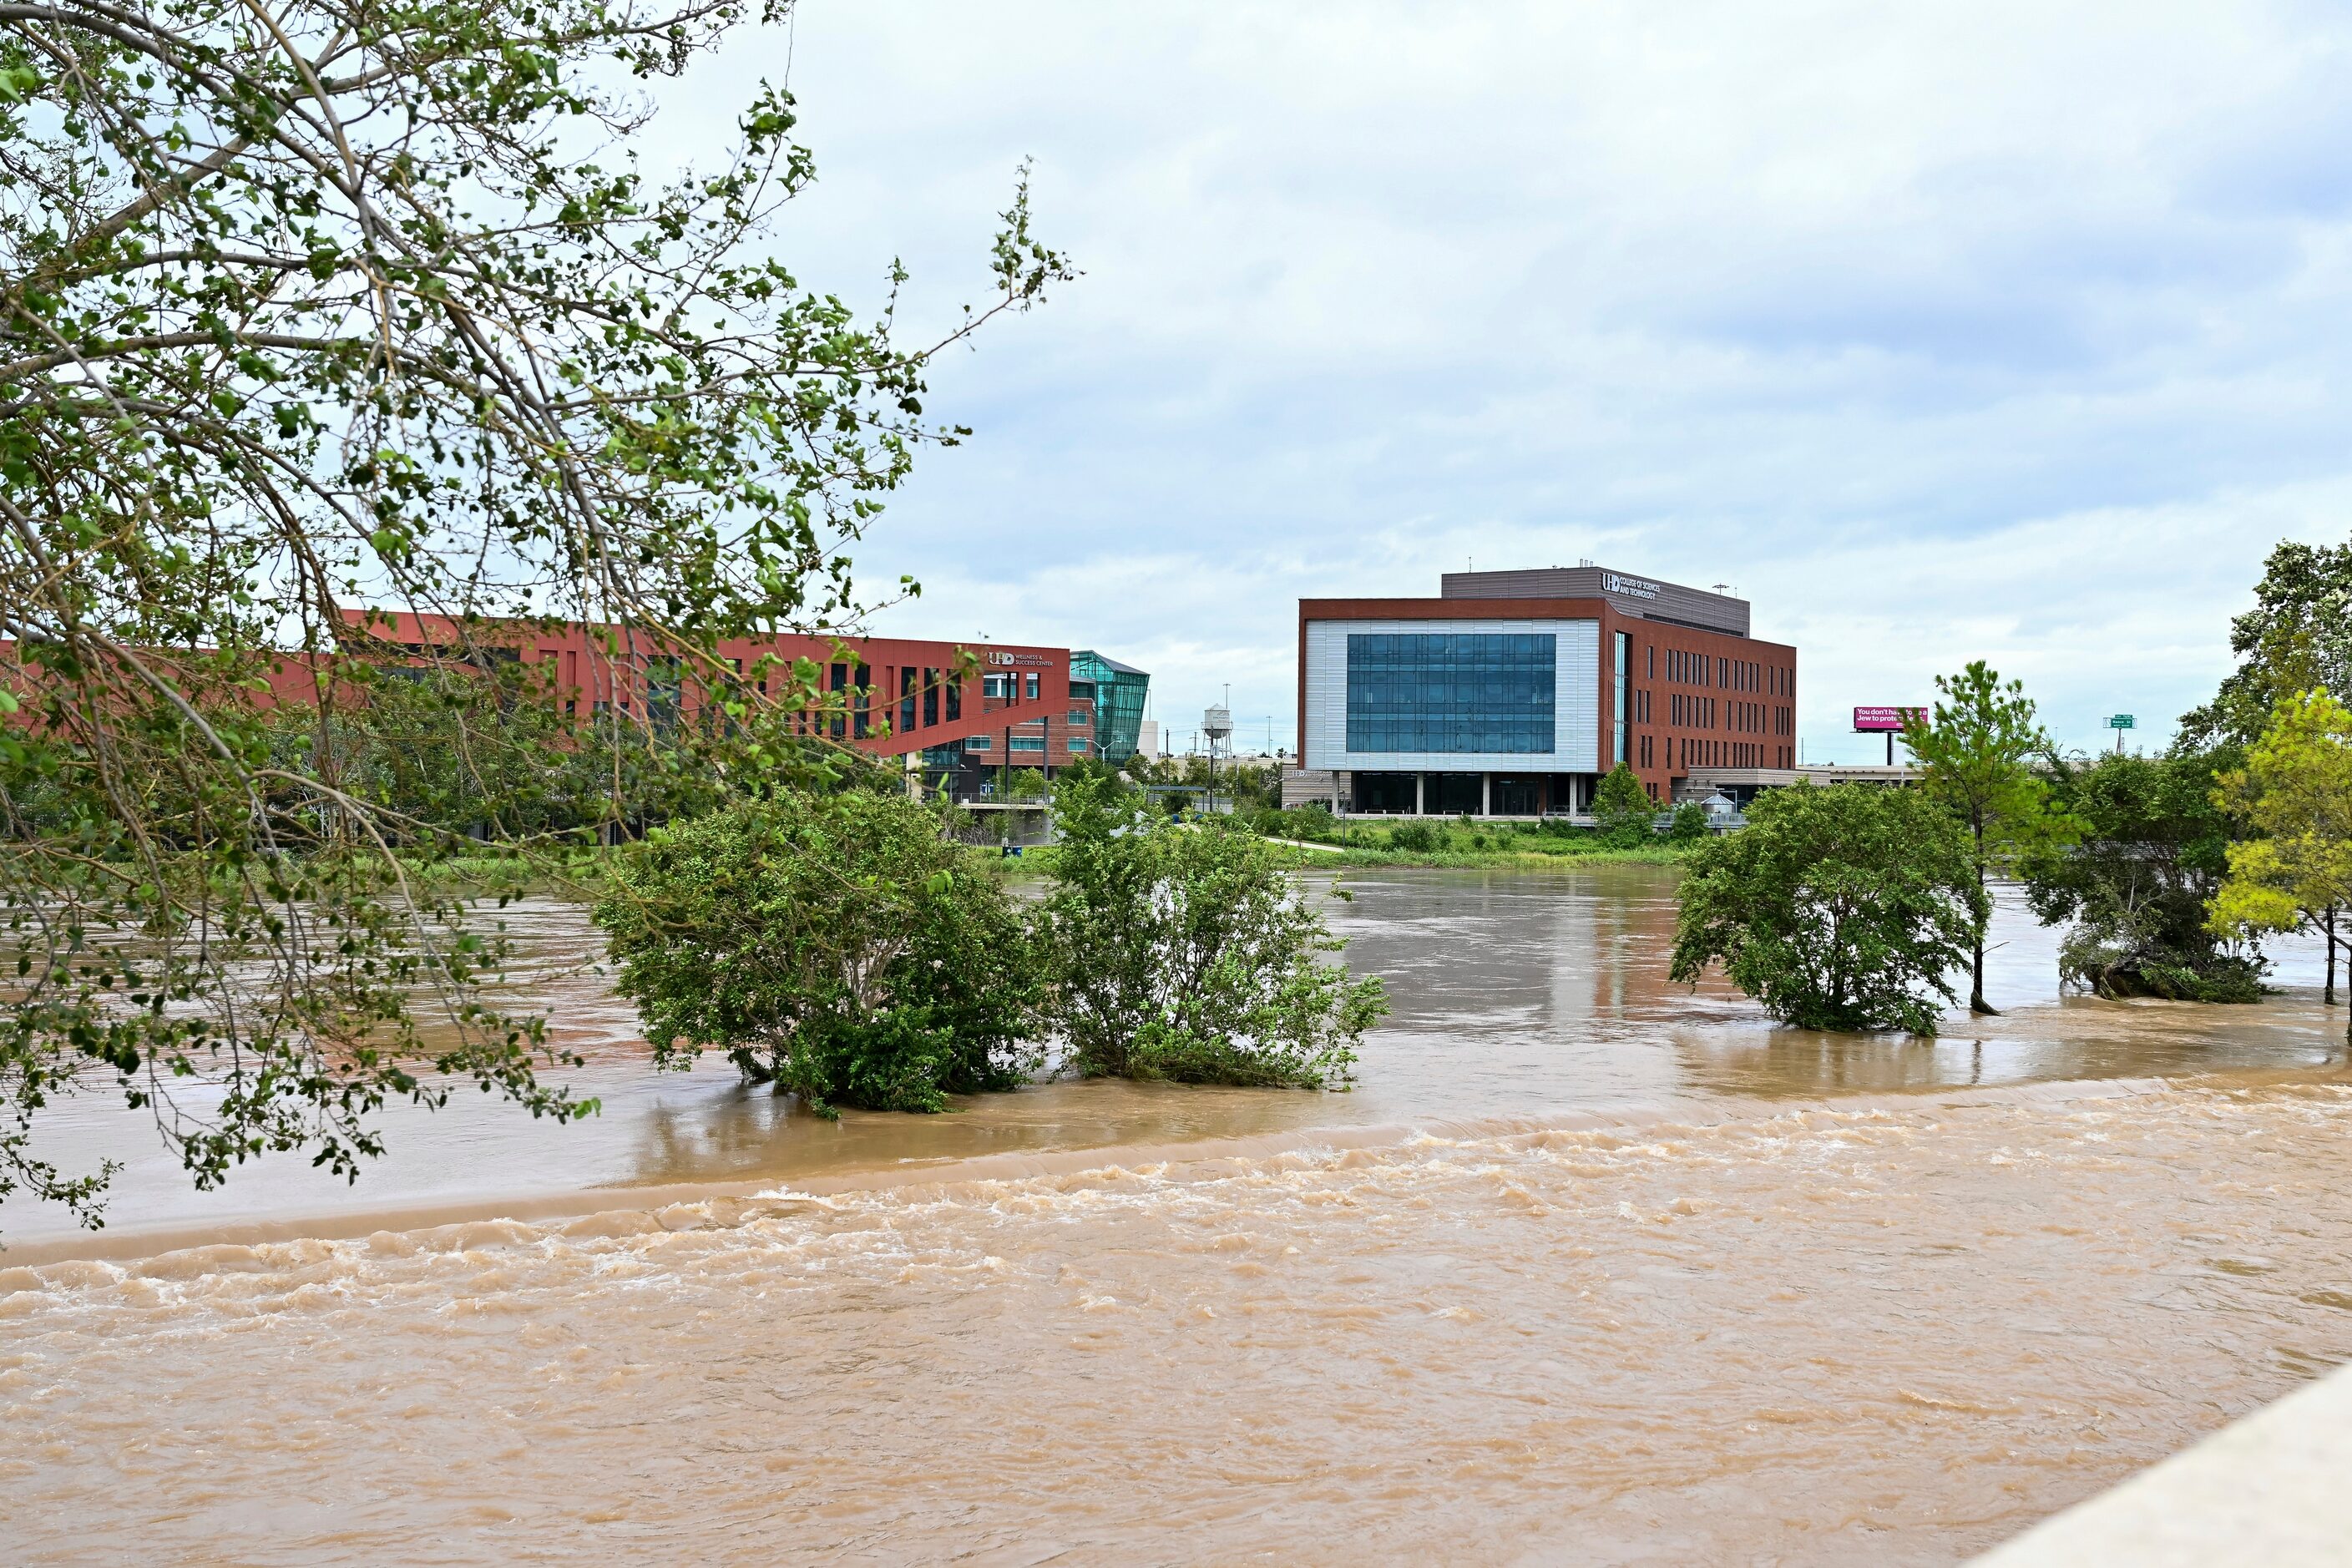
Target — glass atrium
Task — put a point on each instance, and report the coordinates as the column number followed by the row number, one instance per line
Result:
column 1119, row 693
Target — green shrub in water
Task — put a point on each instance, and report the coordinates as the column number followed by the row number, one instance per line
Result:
column 1184, row 953
column 1838, row 908
column 834, row 945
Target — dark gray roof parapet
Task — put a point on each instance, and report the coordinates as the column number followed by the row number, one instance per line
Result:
column 1646, row 596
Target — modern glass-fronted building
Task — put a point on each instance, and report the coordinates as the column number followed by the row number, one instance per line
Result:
column 1512, row 692
column 1118, row 692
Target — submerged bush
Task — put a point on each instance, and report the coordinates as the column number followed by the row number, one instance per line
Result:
column 2117, row 960
column 834, row 945
column 1837, row 908
column 2134, row 884
column 1184, row 953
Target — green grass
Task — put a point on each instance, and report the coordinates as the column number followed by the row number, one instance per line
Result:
column 493, row 874
column 1493, row 846
column 1454, row 843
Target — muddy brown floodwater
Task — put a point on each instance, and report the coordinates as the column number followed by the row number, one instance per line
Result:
column 1588, row 1270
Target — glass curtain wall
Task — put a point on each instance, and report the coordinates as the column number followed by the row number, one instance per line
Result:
column 1452, row 691
column 1119, row 691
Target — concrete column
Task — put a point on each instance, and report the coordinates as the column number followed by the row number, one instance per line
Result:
column 1486, row 794
column 1420, row 791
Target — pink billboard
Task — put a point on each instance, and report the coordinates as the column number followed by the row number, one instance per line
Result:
column 1874, row 719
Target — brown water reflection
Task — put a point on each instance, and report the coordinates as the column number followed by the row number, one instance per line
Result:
column 1515, row 993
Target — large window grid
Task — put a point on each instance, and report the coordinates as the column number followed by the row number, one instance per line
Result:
column 1452, row 692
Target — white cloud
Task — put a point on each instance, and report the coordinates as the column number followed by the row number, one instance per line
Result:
column 1944, row 331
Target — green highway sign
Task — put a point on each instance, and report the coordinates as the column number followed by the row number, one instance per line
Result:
column 2120, row 721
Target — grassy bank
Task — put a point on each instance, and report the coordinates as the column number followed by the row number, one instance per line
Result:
column 1318, row 840
column 476, row 876
column 1464, row 842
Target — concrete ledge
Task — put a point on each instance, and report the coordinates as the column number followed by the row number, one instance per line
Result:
column 2270, row 1489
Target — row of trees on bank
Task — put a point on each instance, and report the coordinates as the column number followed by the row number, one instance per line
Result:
column 1852, row 908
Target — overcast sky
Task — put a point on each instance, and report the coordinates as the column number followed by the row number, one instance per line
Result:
column 1940, row 332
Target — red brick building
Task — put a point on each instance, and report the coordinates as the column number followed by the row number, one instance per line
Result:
column 967, row 709
column 1512, row 692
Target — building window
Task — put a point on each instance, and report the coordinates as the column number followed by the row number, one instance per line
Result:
column 1077, row 743
column 931, row 697
column 665, row 692
column 1032, row 684
column 1623, row 675
column 979, row 743
column 1028, row 743
column 1081, row 718
column 955, row 699
column 1451, row 691
column 999, row 686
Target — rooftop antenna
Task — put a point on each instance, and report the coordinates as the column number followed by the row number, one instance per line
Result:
column 1722, row 587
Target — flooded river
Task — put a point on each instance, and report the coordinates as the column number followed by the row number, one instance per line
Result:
column 1587, row 1270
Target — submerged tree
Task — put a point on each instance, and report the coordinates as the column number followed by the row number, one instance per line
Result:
column 308, row 305
column 1978, row 746
column 1837, row 908
column 2154, row 848
column 1182, row 952
column 2296, row 793
column 833, row 944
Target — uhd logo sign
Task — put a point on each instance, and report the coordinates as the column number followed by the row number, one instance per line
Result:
column 1633, row 587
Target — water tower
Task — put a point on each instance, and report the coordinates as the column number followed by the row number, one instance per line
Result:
column 1217, row 727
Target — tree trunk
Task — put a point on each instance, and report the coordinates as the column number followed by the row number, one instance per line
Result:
column 2328, row 996
column 1976, row 1003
